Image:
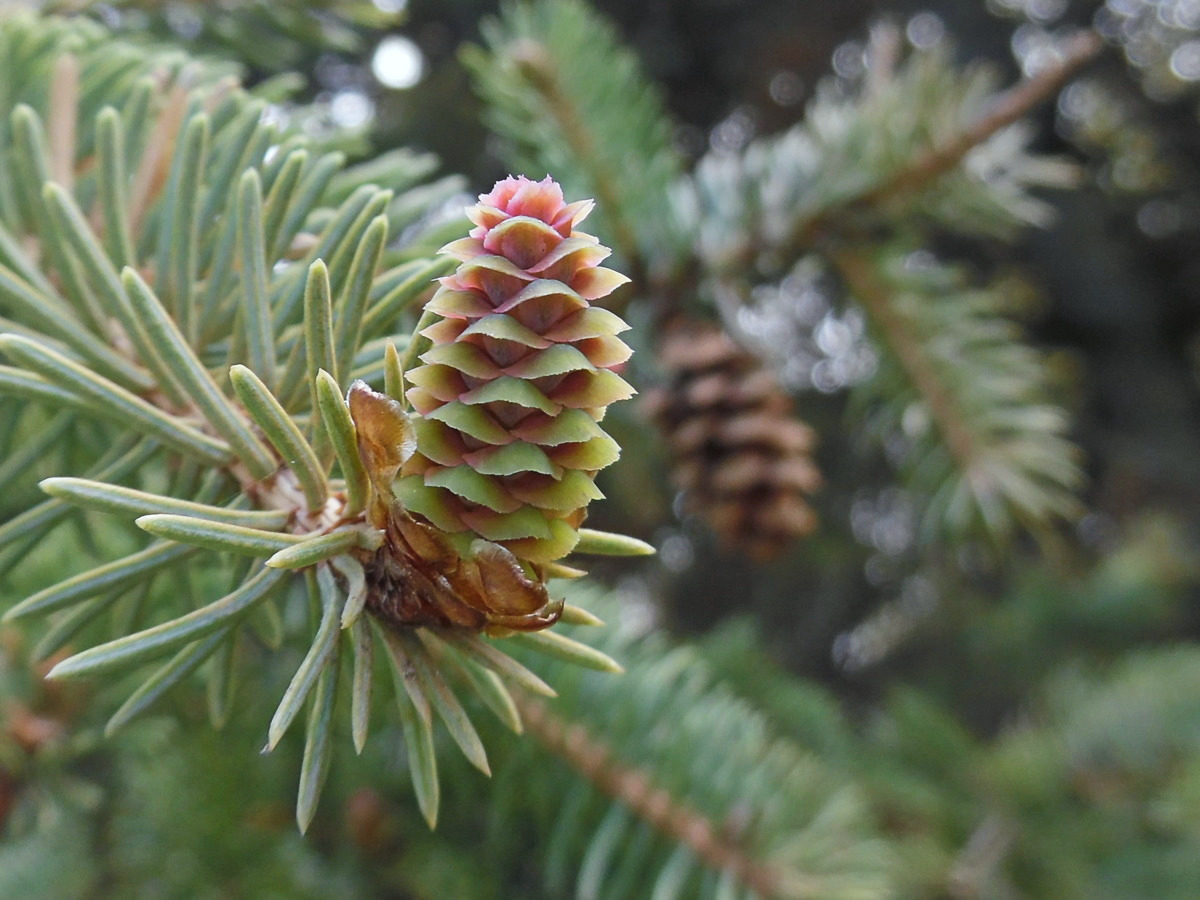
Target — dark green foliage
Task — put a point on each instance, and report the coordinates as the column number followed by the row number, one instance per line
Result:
column 803, row 827
column 187, row 287
column 274, row 36
column 217, row 277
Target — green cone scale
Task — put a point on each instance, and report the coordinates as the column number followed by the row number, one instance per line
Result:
column 521, row 369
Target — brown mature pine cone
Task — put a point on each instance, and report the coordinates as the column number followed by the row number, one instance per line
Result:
column 740, row 455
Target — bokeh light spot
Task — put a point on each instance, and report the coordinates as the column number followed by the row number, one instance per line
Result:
column 398, row 62
column 1185, row 61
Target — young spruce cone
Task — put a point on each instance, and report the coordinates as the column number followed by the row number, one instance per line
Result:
column 508, row 399
column 518, row 377
column 740, row 455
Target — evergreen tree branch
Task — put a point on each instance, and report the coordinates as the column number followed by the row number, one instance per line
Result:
column 888, row 166
column 211, row 204
column 894, row 156
column 985, row 444
column 1006, row 109
column 538, row 68
column 870, row 291
column 925, row 168
column 714, row 802
column 571, row 99
column 595, row 761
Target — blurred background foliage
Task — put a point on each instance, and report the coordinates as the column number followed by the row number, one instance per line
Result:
column 1016, row 711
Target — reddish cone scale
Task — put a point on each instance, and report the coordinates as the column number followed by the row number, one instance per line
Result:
column 518, row 377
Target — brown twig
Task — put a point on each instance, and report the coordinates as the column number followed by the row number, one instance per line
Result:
column 656, row 806
column 923, row 169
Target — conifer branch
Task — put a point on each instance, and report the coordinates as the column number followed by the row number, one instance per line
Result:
column 691, row 774
column 873, row 295
column 595, row 760
column 1012, row 105
column 534, row 62
column 927, row 167
column 898, row 161
column 986, row 445
column 835, row 176
column 191, row 334
column 574, row 101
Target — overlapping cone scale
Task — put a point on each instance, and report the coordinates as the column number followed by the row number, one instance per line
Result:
column 740, row 455
column 521, row 369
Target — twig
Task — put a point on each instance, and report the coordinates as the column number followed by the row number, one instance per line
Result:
column 594, row 759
